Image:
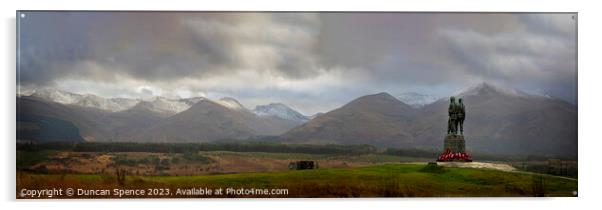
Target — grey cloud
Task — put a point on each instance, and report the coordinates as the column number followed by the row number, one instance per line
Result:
column 146, row 91
column 558, row 24
column 413, row 50
column 268, row 56
column 526, row 58
column 160, row 46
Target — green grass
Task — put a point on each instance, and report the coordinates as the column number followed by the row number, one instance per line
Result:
column 411, row 178
column 26, row 159
column 390, row 180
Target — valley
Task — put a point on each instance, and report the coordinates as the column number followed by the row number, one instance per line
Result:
column 500, row 121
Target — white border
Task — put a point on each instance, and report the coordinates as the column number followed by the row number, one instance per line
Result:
column 589, row 74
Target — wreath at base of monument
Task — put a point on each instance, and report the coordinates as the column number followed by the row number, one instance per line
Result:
column 447, row 156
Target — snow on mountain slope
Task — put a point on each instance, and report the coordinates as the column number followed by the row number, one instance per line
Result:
column 486, row 88
column 230, row 103
column 416, row 100
column 58, row 96
column 192, row 101
column 165, row 106
column 112, row 104
column 161, row 104
column 281, row 111
column 87, row 100
column 158, row 104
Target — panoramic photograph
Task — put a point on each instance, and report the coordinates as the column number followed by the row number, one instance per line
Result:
column 174, row 104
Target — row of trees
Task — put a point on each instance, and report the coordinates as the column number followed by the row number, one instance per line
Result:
column 258, row 147
column 195, row 147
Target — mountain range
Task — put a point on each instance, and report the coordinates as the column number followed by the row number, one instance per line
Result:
column 158, row 119
column 499, row 120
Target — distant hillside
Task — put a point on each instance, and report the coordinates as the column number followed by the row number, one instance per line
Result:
column 87, row 120
column 378, row 119
column 165, row 120
column 505, row 121
column 498, row 120
column 46, row 129
column 204, row 121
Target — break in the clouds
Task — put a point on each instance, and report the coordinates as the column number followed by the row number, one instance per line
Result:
column 310, row 61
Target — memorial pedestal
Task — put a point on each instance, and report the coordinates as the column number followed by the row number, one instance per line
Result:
column 454, row 149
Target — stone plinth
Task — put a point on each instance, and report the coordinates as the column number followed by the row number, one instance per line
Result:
column 454, row 144
column 454, row 149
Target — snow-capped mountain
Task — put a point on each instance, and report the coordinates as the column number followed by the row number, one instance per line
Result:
column 230, row 103
column 161, row 105
column 58, row 96
column 86, row 100
column 192, row 101
column 111, row 104
column 498, row 121
column 165, row 105
column 484, row 88
column 279, row 110
column 157, row 104
column 416, row 100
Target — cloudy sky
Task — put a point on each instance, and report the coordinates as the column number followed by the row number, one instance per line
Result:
column 310, row 61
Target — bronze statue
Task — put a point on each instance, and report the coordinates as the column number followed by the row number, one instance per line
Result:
column 452, row 122
column 454, row 146
column 457, row 114
column 461, row 116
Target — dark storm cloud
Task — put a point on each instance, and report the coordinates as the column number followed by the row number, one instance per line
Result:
column 305, row 55
column 532, row 51
column 539, row 58
column 159, row 46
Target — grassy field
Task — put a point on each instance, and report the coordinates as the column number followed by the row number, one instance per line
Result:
column 388, row 180
column 26, row 159
column 368, row 158
column 187, row 164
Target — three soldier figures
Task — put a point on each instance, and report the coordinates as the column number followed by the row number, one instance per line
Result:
column 457, row 113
